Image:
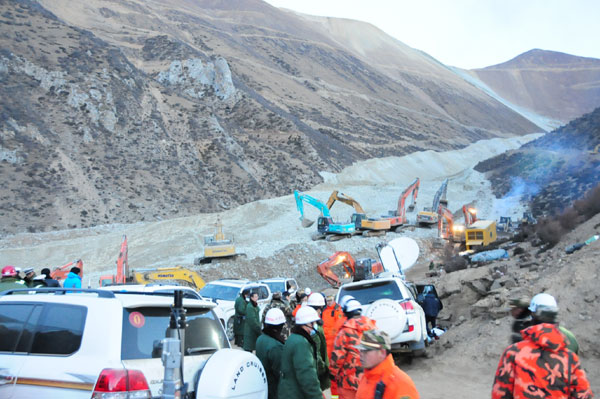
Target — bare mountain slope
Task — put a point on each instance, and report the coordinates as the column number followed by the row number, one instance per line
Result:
column 130, row 110
column 553, row 84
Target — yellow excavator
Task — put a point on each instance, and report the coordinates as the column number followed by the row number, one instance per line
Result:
column 369, row 227
column 216, row 246
column 429, row 216
column 177, row 275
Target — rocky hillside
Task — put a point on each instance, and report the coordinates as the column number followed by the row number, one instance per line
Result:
column 551, row 171
column 130, row 110
column 557, row 85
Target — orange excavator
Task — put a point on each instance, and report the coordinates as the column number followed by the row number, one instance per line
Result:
column 397, row 217
column 370, row 227
column 61, row 272
column 447, row 229
column 357, row 270
column 122, row 275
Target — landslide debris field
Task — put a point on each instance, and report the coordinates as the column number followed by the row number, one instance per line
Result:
column 463, row 361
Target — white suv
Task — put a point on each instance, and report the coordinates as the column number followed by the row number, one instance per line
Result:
column 225, row 291
column 281, row 284
column 391, row 302
column 73, row 343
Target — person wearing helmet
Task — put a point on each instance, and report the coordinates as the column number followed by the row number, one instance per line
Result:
column 316, row 300
column 239, row 316
column 299, row 378
column 542, row 308
column 269, row 347
column 251, row 323
column 278, row 303
column 10, row 279
column 345, row 364
column 382, row 378
column 331, row 315
column 541, row 362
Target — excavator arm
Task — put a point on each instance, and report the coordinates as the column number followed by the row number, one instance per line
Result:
column 301, row 199
column 61, row 272
column 470, row 215
column 325, row 268
column 346, row 199
column 401, row 210
column 445, row 222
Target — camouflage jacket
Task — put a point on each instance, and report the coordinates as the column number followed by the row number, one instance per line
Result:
column 345, row 359
column 277, row 303
column 540, row 367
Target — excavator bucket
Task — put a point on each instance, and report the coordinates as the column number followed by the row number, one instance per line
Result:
column 307, row 222
column 411, row 207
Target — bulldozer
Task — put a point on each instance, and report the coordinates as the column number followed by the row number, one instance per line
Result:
column 370, row 227
column 177, row 274
column 216, row 246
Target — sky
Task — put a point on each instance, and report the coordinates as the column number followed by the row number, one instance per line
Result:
column 473, row 33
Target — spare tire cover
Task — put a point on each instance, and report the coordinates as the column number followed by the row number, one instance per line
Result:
column 388, row 315
column 232, row 373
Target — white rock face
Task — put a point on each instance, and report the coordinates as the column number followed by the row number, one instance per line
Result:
column 193, row 76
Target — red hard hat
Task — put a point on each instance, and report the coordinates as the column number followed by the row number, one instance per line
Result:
column 9, row 271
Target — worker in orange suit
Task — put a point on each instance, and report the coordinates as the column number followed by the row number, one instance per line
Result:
column 332, row 315
column 381, row 379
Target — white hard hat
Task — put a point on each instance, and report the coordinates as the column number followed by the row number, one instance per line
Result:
column 316, row 299
column 274, row 317
column 307, row 291
column 306, row 315
column 345, row 299
column 543, row 300
column 352, row 305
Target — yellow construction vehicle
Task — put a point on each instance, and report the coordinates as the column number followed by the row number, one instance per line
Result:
column 370, row 227
column 480, row 234
column 176, row 275
column 429, row 216
column 216, row 246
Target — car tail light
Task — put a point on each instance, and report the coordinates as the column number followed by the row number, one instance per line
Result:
column 407, row 306
column 121, row 384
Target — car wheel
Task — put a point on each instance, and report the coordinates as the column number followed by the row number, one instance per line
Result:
column 229, row 331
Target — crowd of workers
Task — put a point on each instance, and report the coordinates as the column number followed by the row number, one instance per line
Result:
column 12, row 279
column 310, row 344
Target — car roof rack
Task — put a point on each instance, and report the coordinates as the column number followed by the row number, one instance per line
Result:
column 60, row 291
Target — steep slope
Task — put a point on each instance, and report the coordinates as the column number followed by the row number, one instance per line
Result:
column 557, row 85
column 551, row 171
column 130, row 110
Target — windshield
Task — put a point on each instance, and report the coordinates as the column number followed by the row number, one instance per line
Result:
column 144, row 328
column 217, row 291
column 369, row 293
column 275, row 286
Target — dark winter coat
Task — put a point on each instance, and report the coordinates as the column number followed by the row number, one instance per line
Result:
column 251, row 326
column 322, row 359
column 298, row 368
column 432, row 305
column 269, row 350
column 287, row 311
column 238, row 319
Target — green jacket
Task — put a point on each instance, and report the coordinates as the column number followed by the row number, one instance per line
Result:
column 11, row 283
column 322, row 359
column 251, row 326
column 240, row 313
column 571, row 341
column 269, row 350
column 298, row 378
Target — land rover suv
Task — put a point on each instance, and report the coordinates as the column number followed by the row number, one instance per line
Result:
column 77, row 343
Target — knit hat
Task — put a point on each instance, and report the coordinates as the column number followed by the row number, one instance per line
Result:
column 374, row 339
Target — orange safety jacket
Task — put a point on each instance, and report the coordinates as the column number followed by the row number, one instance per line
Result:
column 331, row 316
column 397, row 383
column 345, row 364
